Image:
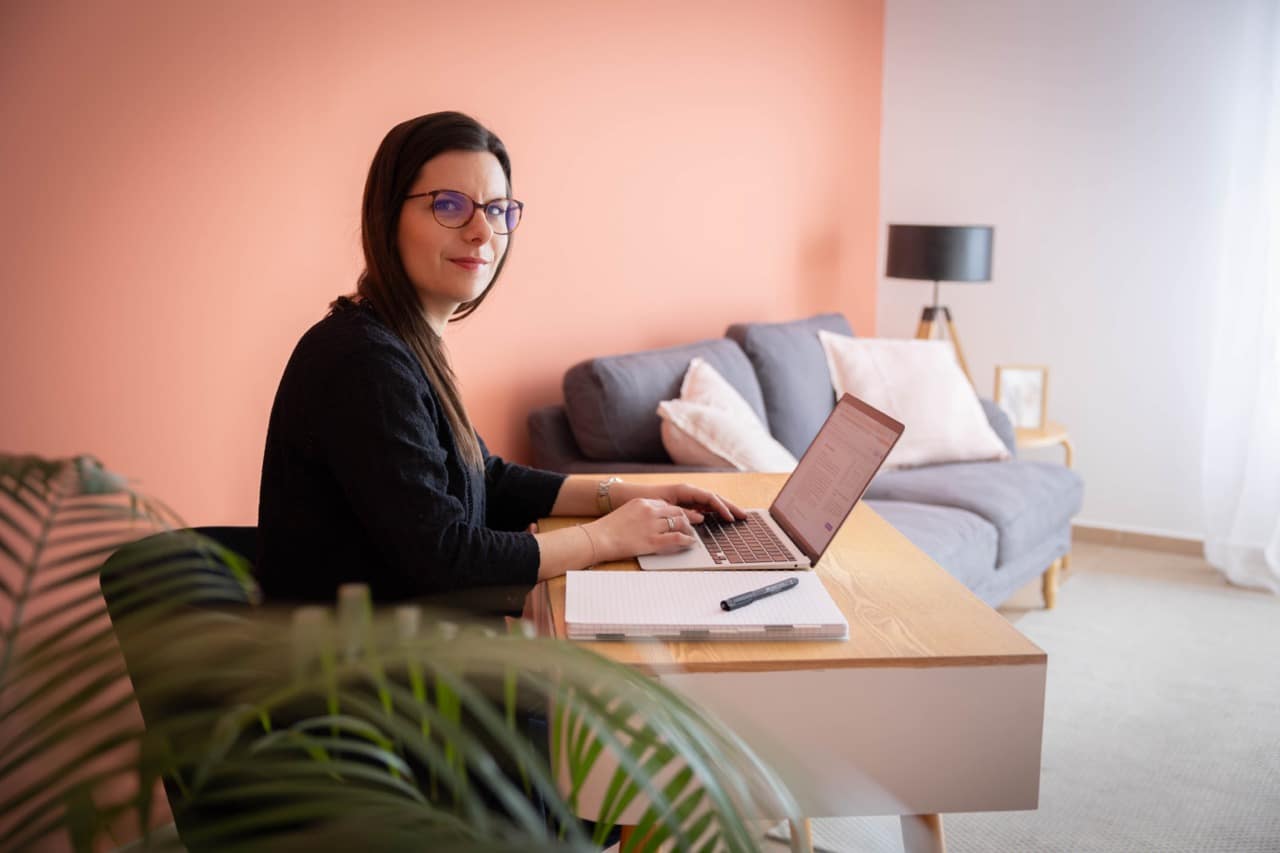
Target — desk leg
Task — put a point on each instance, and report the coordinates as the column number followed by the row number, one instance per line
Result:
column 922, row 833
column 804, row 828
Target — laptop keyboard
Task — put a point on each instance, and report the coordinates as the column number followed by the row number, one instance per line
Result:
column 739, row 542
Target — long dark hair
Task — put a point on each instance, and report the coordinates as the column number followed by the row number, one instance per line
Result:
column 384, row 284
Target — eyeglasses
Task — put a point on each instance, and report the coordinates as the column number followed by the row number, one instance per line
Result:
column 453, row 209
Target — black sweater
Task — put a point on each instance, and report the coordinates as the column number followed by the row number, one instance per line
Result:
column 362, row 481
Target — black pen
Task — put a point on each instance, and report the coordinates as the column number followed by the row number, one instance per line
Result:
column 756, row 594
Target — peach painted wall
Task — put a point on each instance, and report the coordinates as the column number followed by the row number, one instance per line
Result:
column 181, row 186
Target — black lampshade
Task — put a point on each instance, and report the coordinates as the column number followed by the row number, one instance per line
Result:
column 940, row 252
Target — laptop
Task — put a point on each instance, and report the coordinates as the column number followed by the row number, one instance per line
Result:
column 795, row 531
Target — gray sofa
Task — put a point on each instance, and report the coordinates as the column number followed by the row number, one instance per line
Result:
column 992, row 525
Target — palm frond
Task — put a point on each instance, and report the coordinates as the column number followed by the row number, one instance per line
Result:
column 295, row 730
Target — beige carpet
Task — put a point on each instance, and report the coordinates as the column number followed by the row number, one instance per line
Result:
column 1162, row 717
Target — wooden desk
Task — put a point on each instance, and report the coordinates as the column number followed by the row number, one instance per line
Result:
column 934, row 704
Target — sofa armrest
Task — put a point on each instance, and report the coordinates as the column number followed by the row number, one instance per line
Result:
column 555, row 449
column 1001, row 424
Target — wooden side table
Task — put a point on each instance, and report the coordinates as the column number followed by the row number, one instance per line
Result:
column 1047, row 436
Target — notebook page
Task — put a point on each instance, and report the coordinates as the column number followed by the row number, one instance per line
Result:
column 671, row 602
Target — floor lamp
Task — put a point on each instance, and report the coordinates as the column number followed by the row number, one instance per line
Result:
column 937, row 253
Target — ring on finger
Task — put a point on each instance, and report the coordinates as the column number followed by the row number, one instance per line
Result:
column 671, row 524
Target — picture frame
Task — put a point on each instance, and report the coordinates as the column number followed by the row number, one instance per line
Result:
column 1022, row 392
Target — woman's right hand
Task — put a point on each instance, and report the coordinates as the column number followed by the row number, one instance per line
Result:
column 641, row 526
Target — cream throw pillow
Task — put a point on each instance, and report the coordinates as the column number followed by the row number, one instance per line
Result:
column 712, row 425
column 921, row 384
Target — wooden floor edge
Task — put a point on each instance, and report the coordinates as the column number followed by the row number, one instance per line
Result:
column 1130, row 539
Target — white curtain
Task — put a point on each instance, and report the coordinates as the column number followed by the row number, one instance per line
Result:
column 1241, row 461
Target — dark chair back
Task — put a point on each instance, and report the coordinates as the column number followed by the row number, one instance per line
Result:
column 160, row 576
column 174, row 567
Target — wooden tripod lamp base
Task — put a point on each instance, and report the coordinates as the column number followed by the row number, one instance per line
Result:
column 930, row 321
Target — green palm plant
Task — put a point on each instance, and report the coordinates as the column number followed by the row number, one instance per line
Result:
column 313, row 729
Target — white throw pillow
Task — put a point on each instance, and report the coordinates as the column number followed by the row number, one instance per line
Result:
column 712, row 425
column 921, row 384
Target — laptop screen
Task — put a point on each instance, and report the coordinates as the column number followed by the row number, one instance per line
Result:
column 833, row 473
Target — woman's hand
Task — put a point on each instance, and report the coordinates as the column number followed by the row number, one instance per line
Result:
column 695, row 503
column 641, row 526
column 700, row 502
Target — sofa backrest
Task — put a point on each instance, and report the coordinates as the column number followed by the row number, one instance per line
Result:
column 792, row 372
column 612, row 401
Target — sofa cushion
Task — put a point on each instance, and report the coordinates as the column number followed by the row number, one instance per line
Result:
column 959, row 541
column 792, row 370
column 712, row 425
column 612, row 401
column 1026, row 501
column 921, row 384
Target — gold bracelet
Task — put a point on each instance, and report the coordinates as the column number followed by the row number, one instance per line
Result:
column 592, row 542
column 604, row 501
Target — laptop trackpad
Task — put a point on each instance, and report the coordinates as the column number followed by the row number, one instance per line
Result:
column 696, row 557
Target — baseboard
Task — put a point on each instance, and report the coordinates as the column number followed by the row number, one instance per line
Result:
column 1134, row 539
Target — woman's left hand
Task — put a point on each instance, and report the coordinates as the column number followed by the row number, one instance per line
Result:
column 696, row 502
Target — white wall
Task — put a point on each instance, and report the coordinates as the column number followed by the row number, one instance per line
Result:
column 1089, row 134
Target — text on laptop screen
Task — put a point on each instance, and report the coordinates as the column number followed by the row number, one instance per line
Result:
column 833, row 474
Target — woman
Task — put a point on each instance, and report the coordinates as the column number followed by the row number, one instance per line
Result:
column 372, row 471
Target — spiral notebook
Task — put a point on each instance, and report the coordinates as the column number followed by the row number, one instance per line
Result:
column 686, row 606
